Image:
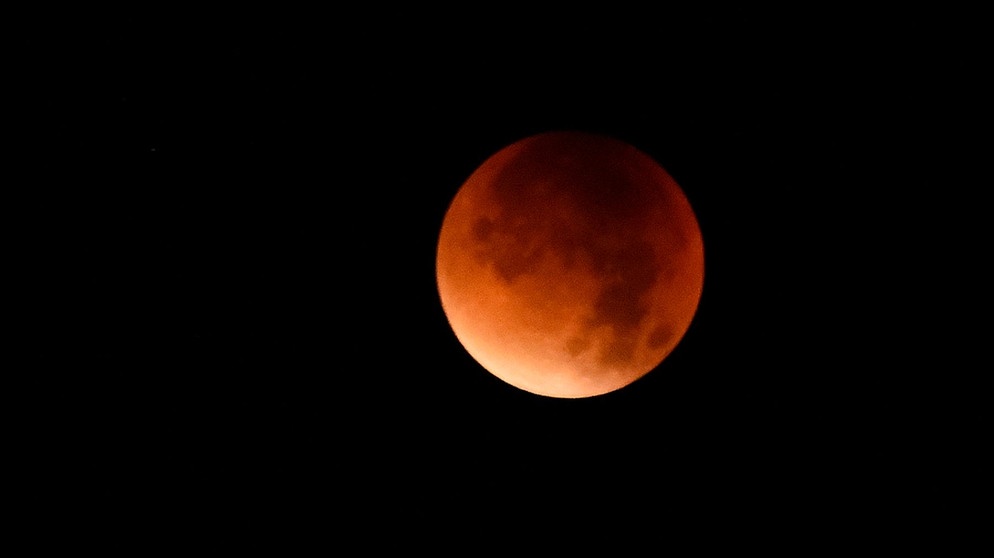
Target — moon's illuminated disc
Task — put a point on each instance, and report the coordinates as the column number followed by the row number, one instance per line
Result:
column 570, row 264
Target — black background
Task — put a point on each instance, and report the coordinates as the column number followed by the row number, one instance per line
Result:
column 237, row 310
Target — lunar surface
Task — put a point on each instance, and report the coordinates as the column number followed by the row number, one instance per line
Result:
column 570, row 264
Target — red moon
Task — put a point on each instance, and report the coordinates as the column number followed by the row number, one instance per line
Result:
column 570, row 264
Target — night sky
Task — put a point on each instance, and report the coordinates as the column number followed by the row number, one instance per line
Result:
column 242, row 276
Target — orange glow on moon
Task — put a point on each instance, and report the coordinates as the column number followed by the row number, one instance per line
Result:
column 570, row 264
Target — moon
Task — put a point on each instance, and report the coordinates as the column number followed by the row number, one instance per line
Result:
column 570, row 264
